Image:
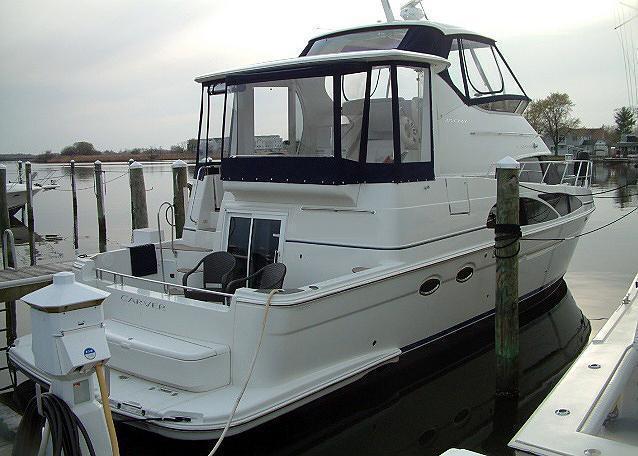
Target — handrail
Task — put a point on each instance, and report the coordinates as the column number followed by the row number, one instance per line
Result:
column 8, row 234
column 170, row 207
column 579, row 179
column 99, row 273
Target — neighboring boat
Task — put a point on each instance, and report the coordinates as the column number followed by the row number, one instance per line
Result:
column 378, row 197
column 17, row 194
column 593, row 410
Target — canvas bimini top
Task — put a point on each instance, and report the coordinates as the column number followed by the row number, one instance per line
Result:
column 278, row 67
column 355, row 107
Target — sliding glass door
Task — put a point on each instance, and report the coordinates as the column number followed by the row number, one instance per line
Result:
column 255, row 241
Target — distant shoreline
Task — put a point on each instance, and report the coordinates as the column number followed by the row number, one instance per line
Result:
column 104, row 158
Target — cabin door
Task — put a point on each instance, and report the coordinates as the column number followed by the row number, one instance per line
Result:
column 255, row 241
column 458, row 195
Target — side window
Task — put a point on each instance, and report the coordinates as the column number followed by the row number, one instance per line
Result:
column 414, row 114
column 353, row 92
column 530, row 212
column 574, row 203
column 380, row 139
column 480, row 67
column 483, row 73
column 563, row 203
column 271, row 120
column 454, row 70
column 558, row 201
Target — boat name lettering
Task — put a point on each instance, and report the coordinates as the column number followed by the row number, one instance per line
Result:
column 143, row 302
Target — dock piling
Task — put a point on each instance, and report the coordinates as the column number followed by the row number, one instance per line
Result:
column 5, row 223
column 180, row 187
column 74, row 196
column 29, row 182
column 139, row 213
column 20, row 171
column 507, row 234
column 101, row 217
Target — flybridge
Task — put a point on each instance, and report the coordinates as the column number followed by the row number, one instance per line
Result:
column 342, row 118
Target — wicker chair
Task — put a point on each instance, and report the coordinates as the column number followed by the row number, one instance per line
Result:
column 218, row 268
column 270, row 277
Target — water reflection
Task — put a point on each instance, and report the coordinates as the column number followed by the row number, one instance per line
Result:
column 623, row 176
column 422, row 405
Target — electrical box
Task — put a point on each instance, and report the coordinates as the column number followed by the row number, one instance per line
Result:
column 67, row 326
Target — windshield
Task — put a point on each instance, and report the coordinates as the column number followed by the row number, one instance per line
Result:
column 479, row 71
column 360, row 41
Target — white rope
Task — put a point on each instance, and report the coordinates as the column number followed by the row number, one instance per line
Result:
column 248, row 376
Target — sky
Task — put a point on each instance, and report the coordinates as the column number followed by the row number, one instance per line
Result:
column 119, row 73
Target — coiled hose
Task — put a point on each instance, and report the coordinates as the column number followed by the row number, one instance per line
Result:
column 64, row 425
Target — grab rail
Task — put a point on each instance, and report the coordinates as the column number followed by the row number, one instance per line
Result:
column 99, row 273
column 8, row 234
column 170, row 207
column 551, row 173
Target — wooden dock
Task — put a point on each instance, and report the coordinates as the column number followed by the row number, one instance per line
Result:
column 15, row 283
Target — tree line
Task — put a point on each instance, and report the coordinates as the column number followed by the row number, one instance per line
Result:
column 552, row 117
column 81, row 149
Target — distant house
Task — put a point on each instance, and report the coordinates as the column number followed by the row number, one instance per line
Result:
column 594, row 141
column 628, row 145
column 601, row 148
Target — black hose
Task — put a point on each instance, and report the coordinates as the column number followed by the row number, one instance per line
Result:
column 65, row 428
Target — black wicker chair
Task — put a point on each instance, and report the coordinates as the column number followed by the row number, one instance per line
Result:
column 218, row 268
column 270, row 277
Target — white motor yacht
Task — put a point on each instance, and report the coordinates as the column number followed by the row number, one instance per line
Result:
column 17, row 195
column 357, row 178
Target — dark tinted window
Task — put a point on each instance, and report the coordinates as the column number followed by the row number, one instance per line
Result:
column 558, row 201
column 563, row 203
column 359, row 41
column 574, row 203
column 530, row 212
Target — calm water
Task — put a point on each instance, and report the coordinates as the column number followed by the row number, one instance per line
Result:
column 439, row 404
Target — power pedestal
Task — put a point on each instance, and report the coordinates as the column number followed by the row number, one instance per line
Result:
column 69, row 340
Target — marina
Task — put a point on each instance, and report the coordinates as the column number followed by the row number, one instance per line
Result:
column 376, row 250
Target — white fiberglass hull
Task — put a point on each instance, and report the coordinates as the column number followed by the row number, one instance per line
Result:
column 316, row 340
column 17, row 196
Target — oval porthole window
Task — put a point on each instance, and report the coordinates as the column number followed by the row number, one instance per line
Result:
column 429, row 286
column 465, row 274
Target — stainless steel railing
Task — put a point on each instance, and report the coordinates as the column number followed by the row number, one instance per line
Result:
column 577, row 173
column 99, row 274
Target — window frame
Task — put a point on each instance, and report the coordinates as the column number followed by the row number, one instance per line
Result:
column 486, row 100
column 328, row 173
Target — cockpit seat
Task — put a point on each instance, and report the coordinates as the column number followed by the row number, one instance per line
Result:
column 269, row 277
column 217, row 271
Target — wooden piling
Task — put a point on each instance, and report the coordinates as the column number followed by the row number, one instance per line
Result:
column 180, row 187
column 74, row 196
column 507, row 235
column 19, row 171
column 99, row 194
column 139, row 213
column 4, row 212
column 29, row 182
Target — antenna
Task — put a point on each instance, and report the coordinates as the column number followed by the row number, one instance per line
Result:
column 410, row 11
column 389, row 15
